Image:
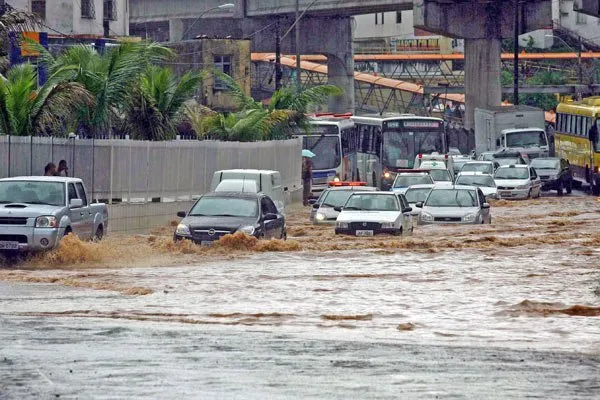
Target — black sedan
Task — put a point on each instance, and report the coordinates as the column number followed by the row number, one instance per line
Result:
column 555, row 174
column 218, row 214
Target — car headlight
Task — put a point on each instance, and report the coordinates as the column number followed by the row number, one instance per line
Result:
column 387, row 175
column 183, row 230
column 470, row 217
column 426, row 217
column 336, row 179
column 387, row 225
column 249, row 230
column 320, row 217
column 342, row 225
column 46, row 221
column 522, row 187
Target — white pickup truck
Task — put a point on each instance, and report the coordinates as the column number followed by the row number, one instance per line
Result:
column 36, row 212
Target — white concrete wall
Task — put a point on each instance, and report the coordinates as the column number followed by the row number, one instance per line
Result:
column 65, row 16
column 143, row 217
column 366, row 28
column 586, row 26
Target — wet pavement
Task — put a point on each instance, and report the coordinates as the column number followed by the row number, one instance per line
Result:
column 510, row 310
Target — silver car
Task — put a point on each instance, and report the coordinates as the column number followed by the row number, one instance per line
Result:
column 483, row 181
column 417, row 194
column 455, row 205
column 517, row 182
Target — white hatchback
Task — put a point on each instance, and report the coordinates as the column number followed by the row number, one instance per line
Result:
column 373, row 213
column 517, row 182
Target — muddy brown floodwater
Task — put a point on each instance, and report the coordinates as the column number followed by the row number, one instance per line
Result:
column 508, row 310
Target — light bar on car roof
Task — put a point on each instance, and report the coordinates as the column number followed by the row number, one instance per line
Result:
column 347, row 183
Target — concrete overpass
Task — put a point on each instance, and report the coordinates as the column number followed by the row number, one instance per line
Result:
column 327, row 29
column 589, row 7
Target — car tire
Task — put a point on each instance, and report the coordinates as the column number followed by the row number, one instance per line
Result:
column 284, row 235
column 99, row 234
column 559, row 190
column 399, row 233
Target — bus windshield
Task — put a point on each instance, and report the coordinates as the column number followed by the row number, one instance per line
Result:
column 526, row 139
column 327, row 151
column 401, row 147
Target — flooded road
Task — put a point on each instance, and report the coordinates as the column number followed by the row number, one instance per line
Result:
column 510, row 310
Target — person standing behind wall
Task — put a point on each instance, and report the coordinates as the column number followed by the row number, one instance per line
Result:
column 50, row 169
column 63, row 170
column 306, row 179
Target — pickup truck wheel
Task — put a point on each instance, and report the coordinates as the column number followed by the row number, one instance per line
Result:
column 559, row 190
column 99, row 234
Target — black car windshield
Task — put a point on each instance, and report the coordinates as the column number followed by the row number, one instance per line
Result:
column 49, row 193
column 526, row 139
column 225, row 206
column 478, row 167
column 452, row 198
column 327, row 151
column 336, row 198
column 476, row 180
column 416, row 195
column 512, row 173
column 540, row 163
column 440, row 175
column 372, row 202
column 403, row 181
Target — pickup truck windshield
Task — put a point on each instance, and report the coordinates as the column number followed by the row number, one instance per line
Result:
column 526, row 139
column 31, row 192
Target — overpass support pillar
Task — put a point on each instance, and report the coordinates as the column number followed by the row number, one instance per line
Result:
column 175, row 30
column 482, row 76
column 340, row 73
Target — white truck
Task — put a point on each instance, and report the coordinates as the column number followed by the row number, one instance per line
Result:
column 37, row 211
column 511, row 128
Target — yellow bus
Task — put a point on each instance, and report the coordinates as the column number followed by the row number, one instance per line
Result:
column 576, row 139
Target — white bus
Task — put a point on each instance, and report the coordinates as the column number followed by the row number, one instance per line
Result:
column 392, row 142
column 324, row 137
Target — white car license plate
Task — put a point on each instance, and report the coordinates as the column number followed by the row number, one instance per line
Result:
column 505, row 193
column 364, row 233
column 207, row 243
column 9, row 245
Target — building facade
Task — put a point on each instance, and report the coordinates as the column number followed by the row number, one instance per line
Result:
column 99, row 18
column 575, row 23
column 229, row 56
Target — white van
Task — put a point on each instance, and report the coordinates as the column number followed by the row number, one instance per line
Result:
column 250, row 181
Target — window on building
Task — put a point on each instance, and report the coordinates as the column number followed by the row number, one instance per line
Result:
column 398, row 17
column 38, row 7
column 110, row 10
column 382, row 18
column 581, row 19
column 223, row 64
column 87, row 9
column 377, row 19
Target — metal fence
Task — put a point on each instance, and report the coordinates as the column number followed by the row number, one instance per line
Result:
column 130, row 169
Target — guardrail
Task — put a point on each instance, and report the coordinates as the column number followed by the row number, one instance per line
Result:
column 131, row 170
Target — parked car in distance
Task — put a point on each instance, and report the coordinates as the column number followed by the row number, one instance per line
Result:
column 459, row 162
column 266, row 182
column 517, row 182
column 374, row 213
column 417, row 194
column 217, row 214
column 437, row 170
column 37, row 211
column 408, row 178
column 485, row 182
column 455, row 205
column 486, row 167
column 486, row 156
column 323, row 209
column 555, row 174
column 510, row 158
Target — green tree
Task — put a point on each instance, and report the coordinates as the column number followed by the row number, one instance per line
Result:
column 158, row 104
column 285, row 114
column 111, row 77
column 26, row 109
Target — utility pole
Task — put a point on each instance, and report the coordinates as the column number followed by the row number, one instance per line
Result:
column 298, row 68
column 277, row 58
column 516, row 55
column 579, row 66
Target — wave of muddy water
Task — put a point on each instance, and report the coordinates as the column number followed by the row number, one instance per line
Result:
column 507, row 310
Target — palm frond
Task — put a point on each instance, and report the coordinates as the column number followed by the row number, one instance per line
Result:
column 19, row 21
column 287, row 98
column 243, row 101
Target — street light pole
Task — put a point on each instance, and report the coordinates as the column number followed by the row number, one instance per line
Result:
column 579, row 66
column 221, row 7
column 298, row 66
column 516, row 55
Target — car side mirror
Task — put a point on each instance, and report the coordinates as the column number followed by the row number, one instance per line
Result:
column 316, row 206
column 76, row 203
column 338, row 209
column 270, row 217
column 407, row 210
column 312, row 201
column 181, row 214
column 419, row 204
column 485, row 205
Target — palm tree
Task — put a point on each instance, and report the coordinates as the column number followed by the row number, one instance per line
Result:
column 283, row 117
column 12, row 20
column 27, row 110
column 158, row 104
column 111, row 77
